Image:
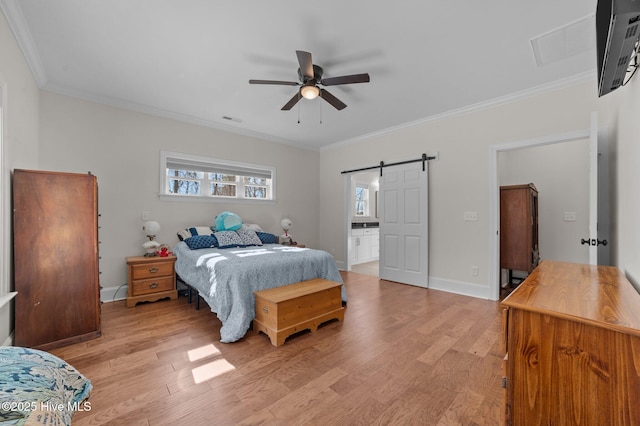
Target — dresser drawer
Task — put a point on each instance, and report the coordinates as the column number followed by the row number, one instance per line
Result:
column 151, row 270
column 152, row 285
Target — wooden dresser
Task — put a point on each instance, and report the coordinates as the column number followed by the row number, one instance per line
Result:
column 572, row 338
column 150, row 279
column 55, row 254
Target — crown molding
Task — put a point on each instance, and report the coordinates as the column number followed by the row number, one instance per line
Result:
column 17, row 23
column 158, row 112
column 512, row 97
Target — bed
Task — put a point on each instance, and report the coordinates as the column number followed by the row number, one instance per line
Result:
column 226, row 278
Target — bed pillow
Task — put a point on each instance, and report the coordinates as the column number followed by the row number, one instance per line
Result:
column 267, row 238
column 201, row 241
column 228, row 239
column 249, row 236
column 253, row 226
column 194, row 230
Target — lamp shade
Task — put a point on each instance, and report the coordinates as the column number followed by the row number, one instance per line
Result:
column 286, row 224
column 309, row 92
column 151, row 228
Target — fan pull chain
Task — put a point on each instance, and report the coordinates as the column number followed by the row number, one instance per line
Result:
column 298, row 112
column 320, row 112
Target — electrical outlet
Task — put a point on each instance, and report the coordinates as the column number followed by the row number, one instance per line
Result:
column 470, row 216
column 569, row 216
column 475, row 271
column 145, row 215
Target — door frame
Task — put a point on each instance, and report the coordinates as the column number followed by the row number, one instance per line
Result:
column 494, row 196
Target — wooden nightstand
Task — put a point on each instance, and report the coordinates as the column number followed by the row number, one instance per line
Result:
column 151, row 279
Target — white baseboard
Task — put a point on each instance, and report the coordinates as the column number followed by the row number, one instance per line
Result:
column 111, row 294
column 460, row 287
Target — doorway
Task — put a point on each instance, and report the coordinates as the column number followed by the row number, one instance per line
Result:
column 362, row 222
column 571, row 218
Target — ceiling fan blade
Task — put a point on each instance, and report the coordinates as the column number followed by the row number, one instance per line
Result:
column 346, row 79
column 285, row 83
column 306, row 64
column 292, row 102
column 337, row 103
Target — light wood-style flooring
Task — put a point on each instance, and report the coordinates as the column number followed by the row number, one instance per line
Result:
column 403, row 356
column 368, row 268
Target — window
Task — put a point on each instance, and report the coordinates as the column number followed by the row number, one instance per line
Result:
column 362, row 200
column 185, row 175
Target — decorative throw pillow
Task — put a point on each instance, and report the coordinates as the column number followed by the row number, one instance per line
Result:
column 201, row 241
column 194, row 230
column 267, row 238
column 248, row 236
column 228, row 239
column 33, row 377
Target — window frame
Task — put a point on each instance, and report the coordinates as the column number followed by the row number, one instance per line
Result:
column 365, row 201
column 209, row 163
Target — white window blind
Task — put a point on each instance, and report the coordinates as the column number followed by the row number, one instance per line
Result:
column 194, row 176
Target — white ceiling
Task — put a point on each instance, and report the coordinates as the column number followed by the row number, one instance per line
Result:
column 192, row 59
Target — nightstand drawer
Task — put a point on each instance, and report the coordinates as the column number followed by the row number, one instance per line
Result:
column 151, row 270
column 153, row 285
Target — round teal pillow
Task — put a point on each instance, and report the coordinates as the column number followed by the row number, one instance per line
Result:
column 227, row 221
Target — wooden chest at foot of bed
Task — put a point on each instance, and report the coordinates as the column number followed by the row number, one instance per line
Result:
column 283, row 311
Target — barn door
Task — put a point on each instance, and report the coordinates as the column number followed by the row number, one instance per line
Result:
column 403, row 224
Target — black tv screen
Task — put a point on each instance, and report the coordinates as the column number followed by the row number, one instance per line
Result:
column 617, row 34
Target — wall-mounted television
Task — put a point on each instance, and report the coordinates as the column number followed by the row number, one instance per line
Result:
column 617, row 34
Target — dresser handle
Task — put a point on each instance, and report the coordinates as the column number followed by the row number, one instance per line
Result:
column 153, row 285
column 153, row 270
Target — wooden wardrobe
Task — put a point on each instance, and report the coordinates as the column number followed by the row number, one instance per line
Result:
column 55, row 241
column 519, row 227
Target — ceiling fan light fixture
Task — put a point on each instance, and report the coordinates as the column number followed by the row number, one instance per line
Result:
column 309, row 91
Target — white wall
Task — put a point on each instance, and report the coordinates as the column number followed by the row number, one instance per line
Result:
column 20, row 97
column 122, row 148
column 458, row 181
column 626, row 196
column 560, row 172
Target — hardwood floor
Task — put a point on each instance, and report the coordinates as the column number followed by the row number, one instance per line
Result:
column 369, row 268
column 403, row 355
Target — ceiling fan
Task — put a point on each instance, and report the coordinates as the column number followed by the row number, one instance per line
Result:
column 310, row 76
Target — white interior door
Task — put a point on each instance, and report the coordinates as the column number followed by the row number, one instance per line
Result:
column 404, row 224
